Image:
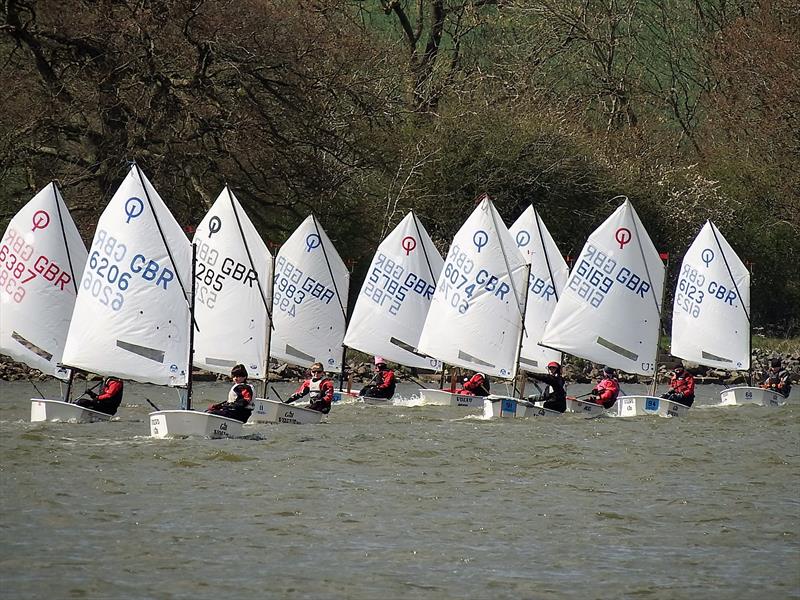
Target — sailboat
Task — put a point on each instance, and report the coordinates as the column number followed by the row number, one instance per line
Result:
column 394, row 300
column 549, row 273
column 477, row 311
column 132, row 313
column 610, row 310
column 233, row 294
column 711, row 313
column 42, row 257
column 309, row 310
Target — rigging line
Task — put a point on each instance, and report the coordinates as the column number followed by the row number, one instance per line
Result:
column 544, row 250
column 521, row 310
column 730, row 272
column 268, row 341
column 424, row 251
column 330, row 270
column 161, row 233
column 249, row 255
column 57, row 195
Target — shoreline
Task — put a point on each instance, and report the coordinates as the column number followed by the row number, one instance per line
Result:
column 575, row 371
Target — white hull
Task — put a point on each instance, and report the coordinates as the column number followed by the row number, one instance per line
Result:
column 274, row 411
column 501, row 406
column 56, row 410
column 184, row 423
column 588, row 409
column 750, row 395
column 639, row 406
column 445, row 398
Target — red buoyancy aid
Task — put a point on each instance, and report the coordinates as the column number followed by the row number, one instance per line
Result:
column 683, row 383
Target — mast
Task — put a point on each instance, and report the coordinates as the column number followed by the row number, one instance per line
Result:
column 191, row 331
column 654, row 383
column 522, row 328
column 269, row 330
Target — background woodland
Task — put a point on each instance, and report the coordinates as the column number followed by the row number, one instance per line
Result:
column 359, row 111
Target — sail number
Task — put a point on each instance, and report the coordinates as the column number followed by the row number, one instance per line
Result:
column 389, row 281
column 211, row 278
column 694, row 287
column 104, row 276
column 15, row 266
column 292, row 287
column 595, row 276
column 459, row 285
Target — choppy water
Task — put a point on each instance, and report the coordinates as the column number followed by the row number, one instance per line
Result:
column 402, row 502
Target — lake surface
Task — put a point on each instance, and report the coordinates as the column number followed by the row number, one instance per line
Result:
column 402, row 502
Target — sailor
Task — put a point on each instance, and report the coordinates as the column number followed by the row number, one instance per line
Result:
column 778, row 379
column 555, row 396
column 607, row 390
column 318, row 387
column 476, row 385
column 239, row 404
column 681, row 387
column 383, row 382
column 107, row 400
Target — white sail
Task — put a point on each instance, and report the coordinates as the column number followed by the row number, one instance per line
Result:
column 549, row 273
column 310, row 299
column 475, row 319
column 232, row 294
column 390, row 311
column 131, row 317
column 610, row 309
column 711, row 311
column 41, row 261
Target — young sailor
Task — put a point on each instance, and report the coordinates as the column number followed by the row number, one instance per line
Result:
column 239, row 404
column 383, row 382
column 318, row 387
column 778, row 379
column 681, row 387
column 107, row 400
column 607, row 390
column 477, row 385
column 555, row 396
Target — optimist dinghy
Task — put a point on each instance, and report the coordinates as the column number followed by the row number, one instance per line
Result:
column 477, row 311
column 234, row 299
column 711, row 314
column 546, row 283
column 132, row 314
column 391, row 308
column 42, row 258
column 610, row 310
column 309, row 298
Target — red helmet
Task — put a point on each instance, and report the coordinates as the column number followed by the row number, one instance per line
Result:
column 553, row 363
